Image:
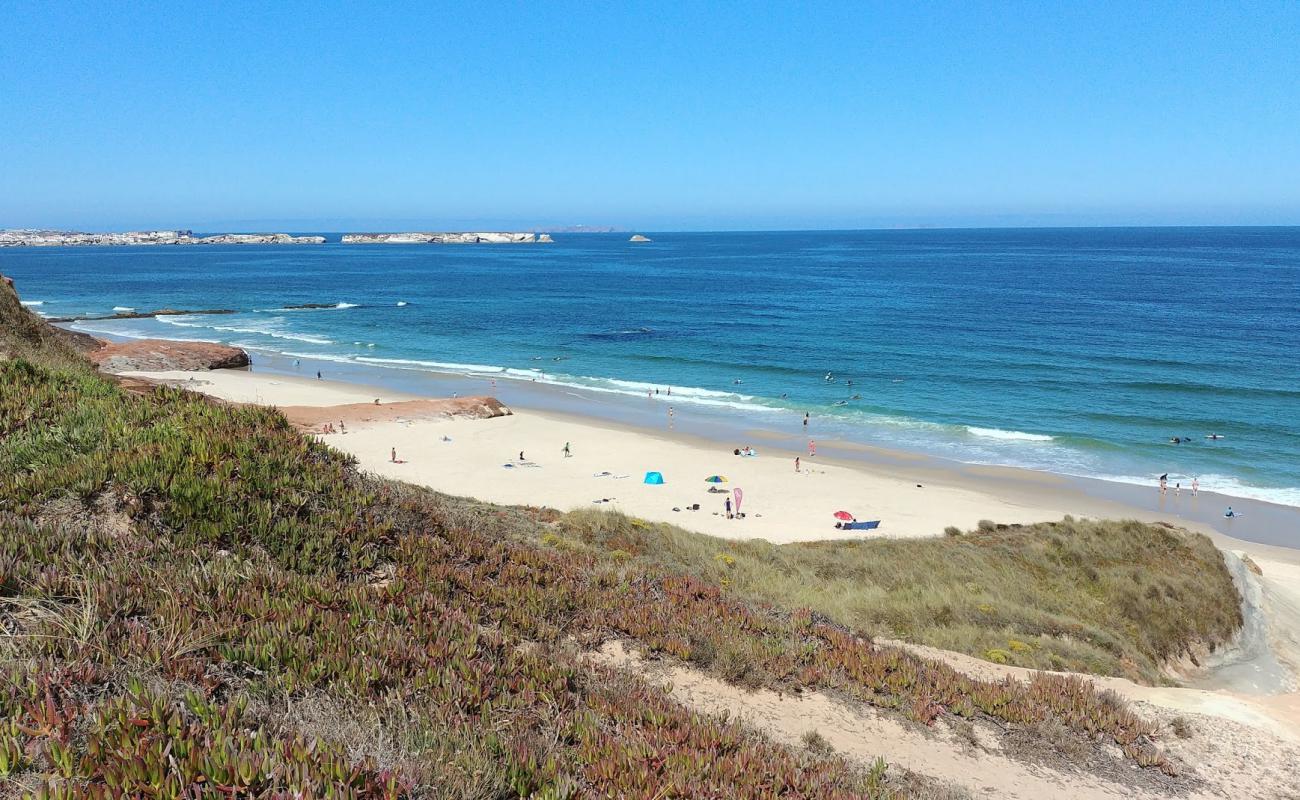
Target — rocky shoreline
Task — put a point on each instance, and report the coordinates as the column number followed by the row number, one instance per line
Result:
column 48, row 238
column 144, row 355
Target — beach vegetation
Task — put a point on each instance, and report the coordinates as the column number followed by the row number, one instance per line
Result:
column 1105, row 597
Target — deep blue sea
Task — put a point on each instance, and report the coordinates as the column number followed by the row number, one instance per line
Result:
column 1077, row 351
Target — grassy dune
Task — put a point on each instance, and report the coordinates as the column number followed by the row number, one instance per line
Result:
column 196, row 598
column 1109, row 598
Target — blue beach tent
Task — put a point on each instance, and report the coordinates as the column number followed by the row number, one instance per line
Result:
column 654, row 477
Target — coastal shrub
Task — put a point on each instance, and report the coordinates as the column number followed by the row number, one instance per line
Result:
column 997, row 656
column 1057, row 595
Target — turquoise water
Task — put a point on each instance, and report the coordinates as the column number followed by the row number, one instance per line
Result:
column 1078, row 351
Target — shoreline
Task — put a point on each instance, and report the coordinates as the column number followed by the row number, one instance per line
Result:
column 1259, row 522
column 624, row 400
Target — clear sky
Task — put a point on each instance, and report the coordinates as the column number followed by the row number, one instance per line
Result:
column 656, row 116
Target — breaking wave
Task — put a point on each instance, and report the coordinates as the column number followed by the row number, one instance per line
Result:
column 1008, row 436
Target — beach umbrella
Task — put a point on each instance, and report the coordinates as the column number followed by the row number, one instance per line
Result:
column 844, row 515
column 716, row 479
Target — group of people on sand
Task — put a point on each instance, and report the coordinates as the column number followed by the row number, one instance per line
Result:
column 329, row 428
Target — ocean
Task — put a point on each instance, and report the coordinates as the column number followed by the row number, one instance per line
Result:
column 1074, row 351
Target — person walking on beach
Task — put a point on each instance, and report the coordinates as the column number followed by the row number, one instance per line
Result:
column 727, row 505
column 392, row 455
column 796, row 463
column 521, row 455
column 812, row 448
column 805, row 419
column 566, row 450
column 1196, row 486
column 318, row 375
column 1164, row 482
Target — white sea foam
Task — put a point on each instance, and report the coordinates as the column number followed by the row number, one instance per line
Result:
column 437, row 366
column 319, row 356
column 681, row 394
column 183, row 321
column 638, row 387
column 1010, row 436
column 1219, row 484
column 401, row 303
column 346, row 305
column 32, row 302
column 123, row 308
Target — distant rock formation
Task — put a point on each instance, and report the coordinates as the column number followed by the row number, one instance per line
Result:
column 158, row 354
column 439, row 238
column 259, row 238
column 161, row 312
column 44, row 238
column 639, row 238
column 545, row 238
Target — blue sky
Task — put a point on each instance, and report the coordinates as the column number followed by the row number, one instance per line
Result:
column 655, row 116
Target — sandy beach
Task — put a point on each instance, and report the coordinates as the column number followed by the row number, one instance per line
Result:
column 608, row 463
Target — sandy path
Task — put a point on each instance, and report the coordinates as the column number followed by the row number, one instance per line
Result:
column 1232, row 760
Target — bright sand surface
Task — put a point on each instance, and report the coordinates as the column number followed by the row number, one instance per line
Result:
column 609, row 463
column 780, row 504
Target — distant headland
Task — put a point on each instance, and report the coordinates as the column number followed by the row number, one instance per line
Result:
column 445, row 238
column 30, row 237
column 47, row 238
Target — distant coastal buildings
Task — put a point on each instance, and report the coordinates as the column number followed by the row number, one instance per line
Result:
column 46, row 238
